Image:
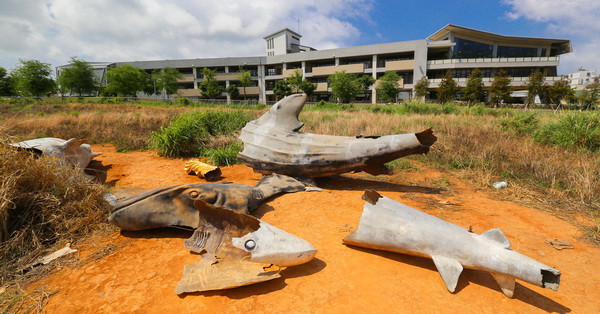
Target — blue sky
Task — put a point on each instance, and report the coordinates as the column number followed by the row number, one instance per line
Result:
column 52, row 31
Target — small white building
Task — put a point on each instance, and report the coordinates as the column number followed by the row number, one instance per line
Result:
column 581, row 78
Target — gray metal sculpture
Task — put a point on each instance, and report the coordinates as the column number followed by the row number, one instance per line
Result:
column 272, row 144
column 238, row 250
column 174, row 205
column 388, row 225
column 73, row 151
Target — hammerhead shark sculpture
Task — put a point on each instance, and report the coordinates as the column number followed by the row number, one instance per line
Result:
column 238, row 250
column 392, row 226
column 73, row 151
column 174, row 205
column 272, row 144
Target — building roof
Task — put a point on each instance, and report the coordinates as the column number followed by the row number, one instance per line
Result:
column 562, row 45
column 283, row 30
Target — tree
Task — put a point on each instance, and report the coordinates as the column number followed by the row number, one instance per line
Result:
column 308, row 88
column 7, row 84
column 388, row 88
column 344, row 86
column 591, row 93
column 366, row 81
column 245, row 80
column 295, row 80
column 473, row 91
column 559, row 91
column 167, row 80
column 78, row 79
column 209, row 86
column 421, row 88
column 500, row 89
column 448, row 88
column 535, row 86
column 282, row 88
column 233, row 91
column 126, row 80
column 32, row 77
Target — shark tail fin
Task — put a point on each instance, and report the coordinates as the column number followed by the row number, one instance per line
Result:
column 506, row 283
column 449, row 269
column 277, row 183
column 73, row 143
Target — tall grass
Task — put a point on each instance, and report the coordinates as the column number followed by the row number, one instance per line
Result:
column 42, row 203
column 579, row 130
column 189, row 133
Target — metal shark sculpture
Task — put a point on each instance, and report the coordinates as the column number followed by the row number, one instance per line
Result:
column 238, row 250
column 73, row 151
column 174, row 205
column 392, row 226
column 272, row 144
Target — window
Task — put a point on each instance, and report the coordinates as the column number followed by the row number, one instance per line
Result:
column 513, row 52
column 471, row 49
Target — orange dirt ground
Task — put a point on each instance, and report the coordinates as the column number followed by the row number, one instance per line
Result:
column 141, row 274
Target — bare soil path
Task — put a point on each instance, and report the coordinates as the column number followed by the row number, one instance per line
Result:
column 141, row 275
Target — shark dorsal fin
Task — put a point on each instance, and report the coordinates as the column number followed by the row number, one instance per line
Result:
column 496, row 235
column 506, row 283
column 73, row 144
column 449, row 269
column 284, row 114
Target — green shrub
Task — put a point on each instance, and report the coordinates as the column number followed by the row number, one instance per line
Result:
column 419, row 108
column 188, row 133
column 224, row 156
column 521, row 123
column 579, row 130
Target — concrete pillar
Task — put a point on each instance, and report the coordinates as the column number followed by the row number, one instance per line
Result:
column 303, row 69
column 374, row 91
column 195, row 72
column 262, row 90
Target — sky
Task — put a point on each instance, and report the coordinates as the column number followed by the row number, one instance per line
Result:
column 53, row 31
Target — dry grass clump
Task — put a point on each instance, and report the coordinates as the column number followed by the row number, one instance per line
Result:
column 42, row 204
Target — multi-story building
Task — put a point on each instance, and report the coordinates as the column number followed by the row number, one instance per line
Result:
column 453, row 48
column 580, row 79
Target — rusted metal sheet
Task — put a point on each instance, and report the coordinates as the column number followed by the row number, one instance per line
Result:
column 272, row 144
column 392, row 226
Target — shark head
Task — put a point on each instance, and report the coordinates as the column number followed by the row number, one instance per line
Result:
column 229, row 235
column 284, row 114
column 161, row 207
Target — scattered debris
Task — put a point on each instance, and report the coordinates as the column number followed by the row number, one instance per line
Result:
column 202, row 170
column 559, row 244
column 500, row 184
column 51, row 257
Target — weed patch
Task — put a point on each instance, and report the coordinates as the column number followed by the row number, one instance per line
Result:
column 578, row 130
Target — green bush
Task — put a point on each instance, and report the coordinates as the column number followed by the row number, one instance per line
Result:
column 579, row 130
column 224, row 156
column 521, row 123
column 188, row 133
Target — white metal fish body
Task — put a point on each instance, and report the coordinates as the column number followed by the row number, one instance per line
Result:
column 272, row 144
column 73, row 151
column 392, row 226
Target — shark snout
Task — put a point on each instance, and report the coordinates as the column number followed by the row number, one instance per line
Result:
column 271, row 245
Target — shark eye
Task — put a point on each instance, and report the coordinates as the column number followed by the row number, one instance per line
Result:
column 250, row 245
column 194, row 194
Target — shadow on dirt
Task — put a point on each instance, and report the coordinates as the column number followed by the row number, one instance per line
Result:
column 471, row 276
column 348, row 182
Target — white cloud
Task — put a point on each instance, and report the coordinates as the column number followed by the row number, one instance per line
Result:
column 113, row 30
column 577, row 20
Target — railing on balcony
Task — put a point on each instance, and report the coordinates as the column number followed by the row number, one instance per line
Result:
column 492, row 60
column 488, row 80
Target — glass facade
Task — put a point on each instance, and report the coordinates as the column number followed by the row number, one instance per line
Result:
column 470, row 49
column 514, row 52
